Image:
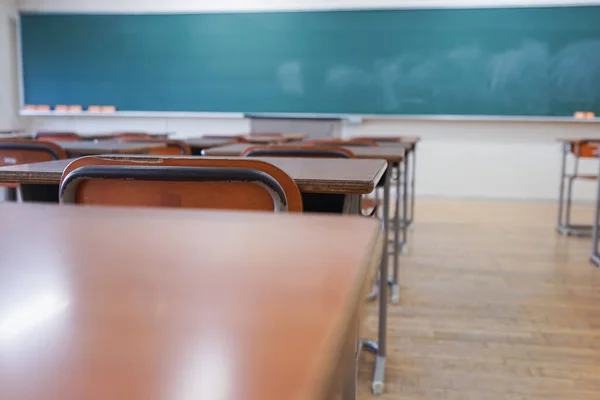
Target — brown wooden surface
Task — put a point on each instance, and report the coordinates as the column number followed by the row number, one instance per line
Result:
column 87, row 147
column 108, row 306
column 228, row 194
column 273, row 138
column 390, row 139
column 15, row 135
column 284, row 137
column 586, row 150
column 208, row 142
column 32, row 152
column 316, row 176
column 495, row 305
column 390, row 154
column 173, row 147
column 112, row 135
column 57, row 136
column 309, row 151
column 342, row 142
column 409, row 143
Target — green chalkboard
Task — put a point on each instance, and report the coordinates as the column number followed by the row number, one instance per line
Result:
column 505, row 61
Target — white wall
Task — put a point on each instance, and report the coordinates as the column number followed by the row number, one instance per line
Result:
column 456, row 159
column 8, row 77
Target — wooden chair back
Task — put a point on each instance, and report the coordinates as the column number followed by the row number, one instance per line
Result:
column 226, row 184
column 13, row 152
column 342, row 142
column 298, row 152
column 58, row 137
column 586, row 150
column 174, row 147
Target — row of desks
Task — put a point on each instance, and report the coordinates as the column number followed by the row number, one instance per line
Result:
column 325, row 177
column 319, row 176
column 211, row 147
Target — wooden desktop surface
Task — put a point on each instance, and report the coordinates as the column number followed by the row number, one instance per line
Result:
column 15, row 135
column 111, row 135
column 390, row 154
column 225, row 306
column 408, row 143
column 257, row 138
column 106, row 147
column 394, row 139
column 320, row 175
column 16, row 130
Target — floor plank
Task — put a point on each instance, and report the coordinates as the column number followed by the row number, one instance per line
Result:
column 495, row 305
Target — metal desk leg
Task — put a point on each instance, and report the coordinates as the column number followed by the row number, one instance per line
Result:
column 569, row 204
column 350, row 365
column 595, row 256
column 405, row 175
column 395, row 295
column 379, row 347
column 561, row 194
column 412, row 185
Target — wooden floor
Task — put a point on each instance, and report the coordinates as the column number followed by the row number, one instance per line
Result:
column 495, row 305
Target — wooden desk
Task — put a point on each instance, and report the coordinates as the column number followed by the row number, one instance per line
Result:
column 86, row 148
column 284, row 138
column 17, row 130
column 391, row 155
column 15, row 135
column 577, row 147
column 112, row 135
column 225, row 306
column 334, row 176
column 395, row 156
column 394, row 140
column 199, row 143
column 410, row 152
column 407, row 206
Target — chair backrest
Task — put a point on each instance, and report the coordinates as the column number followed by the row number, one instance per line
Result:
column 231, row 184
column 586, row 149
column 298, row 152
column 341, row 142
column 14, row 152
column 58, row 137
column 174, row 147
